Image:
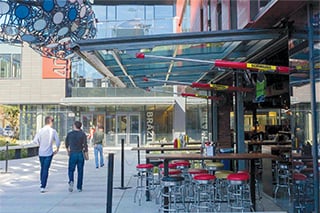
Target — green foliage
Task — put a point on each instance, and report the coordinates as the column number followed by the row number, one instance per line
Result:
column 24, row 154
column 12, row 115
column 3, row 141
column 11, row 153
column 3, row 154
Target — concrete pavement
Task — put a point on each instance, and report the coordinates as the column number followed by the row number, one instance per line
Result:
column 19, row 189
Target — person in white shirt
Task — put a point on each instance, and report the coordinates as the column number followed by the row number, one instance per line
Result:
column 44, row 138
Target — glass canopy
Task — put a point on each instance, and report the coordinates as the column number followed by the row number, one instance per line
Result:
column 115, row 57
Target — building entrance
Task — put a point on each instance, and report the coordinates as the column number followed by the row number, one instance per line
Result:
column 128, row 128
column 92, row 120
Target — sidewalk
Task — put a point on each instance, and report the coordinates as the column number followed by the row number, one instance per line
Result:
column 19, row 189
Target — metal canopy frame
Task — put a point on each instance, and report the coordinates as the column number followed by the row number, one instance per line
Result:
column 124, row 69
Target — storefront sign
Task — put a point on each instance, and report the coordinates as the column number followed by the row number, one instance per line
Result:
column 150, row 126
column 55, row 68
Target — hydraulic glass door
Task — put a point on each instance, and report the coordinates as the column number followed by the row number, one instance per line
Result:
column 134, row 124
column 121, row 132
column 86, row 122
column 128, row 128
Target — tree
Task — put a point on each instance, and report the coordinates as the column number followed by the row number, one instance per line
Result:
column 12, row 115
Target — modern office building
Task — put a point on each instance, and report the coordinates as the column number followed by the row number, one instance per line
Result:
column 103, row 88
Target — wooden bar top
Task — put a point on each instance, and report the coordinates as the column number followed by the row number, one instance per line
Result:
column 266, row 142
column 227, row 156
column 302, row 157
column 171, row 143
column 153, row 148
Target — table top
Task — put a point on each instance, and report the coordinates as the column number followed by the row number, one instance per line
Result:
column 171, row 143
column 195, row 156
column 268, row 142
column 302, row 157
column 153, row 148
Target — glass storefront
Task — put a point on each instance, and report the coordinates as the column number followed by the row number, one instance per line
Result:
column 130, row 123
column 197, row 122
column 32, row 119
column 146, row 123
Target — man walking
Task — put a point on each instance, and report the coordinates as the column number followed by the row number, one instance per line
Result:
column 44, row 138
column 76, row 143
column 98, row 137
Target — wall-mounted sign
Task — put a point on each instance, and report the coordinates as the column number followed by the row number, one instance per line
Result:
column 55, row 68
column 150, row 126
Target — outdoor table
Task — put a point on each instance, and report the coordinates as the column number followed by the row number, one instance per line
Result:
column 265, row 142
column 230, row 156
column 149, row 149
column 162, row 149
column 162, row 144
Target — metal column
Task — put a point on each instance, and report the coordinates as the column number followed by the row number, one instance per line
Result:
column 239, row 122
column 214, row 119
column 313, row 109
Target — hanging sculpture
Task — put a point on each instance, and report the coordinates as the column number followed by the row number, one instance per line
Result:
column 48, row 26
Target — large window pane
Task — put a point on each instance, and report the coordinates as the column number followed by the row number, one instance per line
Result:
column 10, row 66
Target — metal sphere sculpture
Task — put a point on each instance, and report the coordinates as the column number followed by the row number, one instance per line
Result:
column 48, row 26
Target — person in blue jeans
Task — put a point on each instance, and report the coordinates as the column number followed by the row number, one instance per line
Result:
column 97, row 139
column 44, row 138
column 76, row 143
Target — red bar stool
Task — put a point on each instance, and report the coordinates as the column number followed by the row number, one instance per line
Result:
column 173, row 172
column 239, row 197
column 221, row 183
column 299, row 188
column 282, row 177
column 193, row 172
column 183, row 165
column 203, row 193
column 309, row 191
column 174, row 194
column 161, row 168
column 190, row 183
column 257, row 184
column 145, row 181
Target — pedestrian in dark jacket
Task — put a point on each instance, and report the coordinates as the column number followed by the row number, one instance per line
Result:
column 76, row 143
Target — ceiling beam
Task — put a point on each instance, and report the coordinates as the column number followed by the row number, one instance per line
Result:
column 150, row 41
column 136, row 2
column 116, row 57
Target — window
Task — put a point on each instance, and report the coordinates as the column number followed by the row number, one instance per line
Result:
column 10, row 66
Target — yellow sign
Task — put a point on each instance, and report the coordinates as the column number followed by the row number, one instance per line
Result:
column 262, row 67
column 201, row 96
column 218, row 87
